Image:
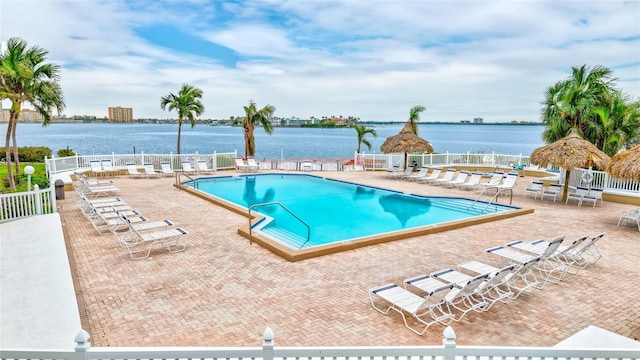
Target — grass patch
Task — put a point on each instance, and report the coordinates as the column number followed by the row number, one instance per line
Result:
column 39, row 177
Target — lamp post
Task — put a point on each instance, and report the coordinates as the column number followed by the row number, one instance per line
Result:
column 29, row 170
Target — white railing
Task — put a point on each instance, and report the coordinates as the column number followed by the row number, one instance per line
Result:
column 387, row 161
column 447, row 351
column 371, row 162
column 215, row 161
column 28, row 203
column 600, row 180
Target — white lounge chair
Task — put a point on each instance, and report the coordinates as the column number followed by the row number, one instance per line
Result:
column 401, row 174
column 203, row 167
column 552, row 192
column 521, row 279
column 464, row 297
column 577, row 195
column 433, row 175
column 92, row 182
column 563, row 254
column 507, row 183
column 241, row 165
column 252, row 164
column 472, row 183
column 490, row 290
column 415, row 176
column 630, row 217
column 150, row 171
column 460, row 179
column 593, row 196
column 495, row 180
column 426, row 310
column 546, row 269
column 187, row 168
column 108, row 167
column 165, row 169
column 535, row 189
column 139, row 244
column 448, row 176
column 132, row 171
column 97, row 191
column 96, row 168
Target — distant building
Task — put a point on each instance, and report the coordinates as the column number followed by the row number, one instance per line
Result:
column 478, row 120
column 120, row 114
column 26, row 115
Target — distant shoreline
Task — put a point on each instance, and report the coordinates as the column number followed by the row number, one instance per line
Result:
column 208, row 123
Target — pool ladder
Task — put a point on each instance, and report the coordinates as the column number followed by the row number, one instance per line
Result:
column 287, row 210
column 179, row 174
column 495, row 196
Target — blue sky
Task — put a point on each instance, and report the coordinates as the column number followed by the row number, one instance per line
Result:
column 369, row 59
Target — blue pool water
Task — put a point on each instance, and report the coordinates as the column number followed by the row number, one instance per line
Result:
column 335, row 210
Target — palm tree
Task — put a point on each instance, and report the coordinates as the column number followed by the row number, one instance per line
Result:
column 253, row 118
column 588, row 102
column 25, row 77
column 187, row 103
column 570, row 103
column 615, row 124
column 414, row 117
column 362, row 131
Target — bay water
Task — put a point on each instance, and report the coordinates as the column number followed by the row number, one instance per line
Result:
column 288, row 143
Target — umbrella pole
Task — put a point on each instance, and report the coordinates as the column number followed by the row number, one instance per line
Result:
column 405, row 161
column 565, row 191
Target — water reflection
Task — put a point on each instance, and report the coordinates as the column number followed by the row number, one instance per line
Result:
column 250, row 196
column 404, row 207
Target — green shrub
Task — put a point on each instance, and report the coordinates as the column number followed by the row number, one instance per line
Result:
column 29, row 153
column 42, row 181
column 66, row 152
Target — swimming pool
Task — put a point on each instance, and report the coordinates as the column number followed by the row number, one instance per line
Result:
column 338, row 213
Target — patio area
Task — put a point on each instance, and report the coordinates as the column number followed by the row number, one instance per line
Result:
column 222, row 291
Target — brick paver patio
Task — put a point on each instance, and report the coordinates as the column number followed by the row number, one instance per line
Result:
column 221, row 291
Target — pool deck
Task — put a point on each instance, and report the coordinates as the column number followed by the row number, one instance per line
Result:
column 221, row 291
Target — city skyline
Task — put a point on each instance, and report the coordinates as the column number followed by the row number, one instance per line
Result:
column 371, row 60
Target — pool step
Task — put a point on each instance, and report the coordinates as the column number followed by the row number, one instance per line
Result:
column 284, row 236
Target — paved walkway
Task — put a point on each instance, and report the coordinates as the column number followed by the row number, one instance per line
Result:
column 221, row 291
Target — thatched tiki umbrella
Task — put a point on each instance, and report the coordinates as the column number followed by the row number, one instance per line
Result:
column 569, row 153
column 626, row 165
column 406, row 142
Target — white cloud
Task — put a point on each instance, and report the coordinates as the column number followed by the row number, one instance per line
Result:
column 371, row 59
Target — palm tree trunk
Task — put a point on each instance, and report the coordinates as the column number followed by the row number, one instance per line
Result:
column 249, row 141
column 179, row 129
column 16, row 158
column 12, row 182
column 565, row 191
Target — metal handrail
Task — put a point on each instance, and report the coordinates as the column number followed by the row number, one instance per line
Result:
column 286, row 209
column 498, row 191
column 178, row 174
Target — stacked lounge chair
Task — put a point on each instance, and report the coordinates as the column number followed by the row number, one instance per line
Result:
column 449, row 294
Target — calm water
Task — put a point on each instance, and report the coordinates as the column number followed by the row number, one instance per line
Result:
column 336, row 210
column 286, row 142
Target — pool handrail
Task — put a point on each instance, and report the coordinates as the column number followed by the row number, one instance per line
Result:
column 287, row 210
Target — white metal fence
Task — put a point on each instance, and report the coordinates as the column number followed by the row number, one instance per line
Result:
column 447, row 351
column 360, row 161
column 29, row 203
column 215, row 161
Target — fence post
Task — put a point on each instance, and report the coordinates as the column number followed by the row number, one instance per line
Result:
column 52, row 196
column 267, row 344
column 449, row 343
column 37, row 199
column 82, row 344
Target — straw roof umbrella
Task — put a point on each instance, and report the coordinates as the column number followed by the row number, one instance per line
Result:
column 626, row 165
column 406, row 142
column 570, row 152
